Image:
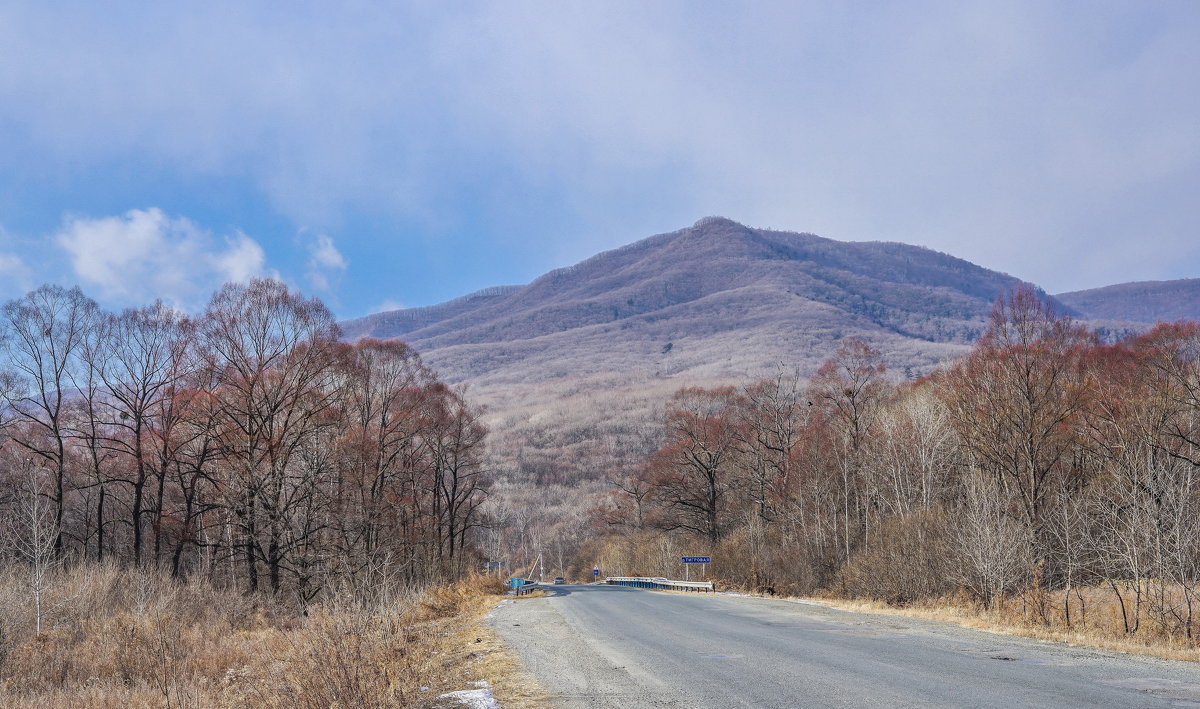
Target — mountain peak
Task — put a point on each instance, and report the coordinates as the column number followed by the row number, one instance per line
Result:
column 714, row 222
column 713, row 280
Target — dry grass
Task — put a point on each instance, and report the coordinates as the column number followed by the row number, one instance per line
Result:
column 536, row 593
column 117, row 639
column 1099, row 627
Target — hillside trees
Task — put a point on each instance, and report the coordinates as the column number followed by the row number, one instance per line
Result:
column 774, row 415
column 1042, row 466
column 248, row 444
column 136, row 360
column 693, row 474
column 270, row 353
column 43, row 334
column 384, row 385
column 850, row 390
column 1016, row 401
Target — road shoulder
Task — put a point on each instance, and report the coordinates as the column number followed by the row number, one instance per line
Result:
column 575, row 674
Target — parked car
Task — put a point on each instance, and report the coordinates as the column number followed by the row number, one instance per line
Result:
column 558, row 580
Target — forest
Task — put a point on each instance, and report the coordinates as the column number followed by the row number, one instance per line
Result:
column 1046, row 472
column 248, row 445
column 232, row 509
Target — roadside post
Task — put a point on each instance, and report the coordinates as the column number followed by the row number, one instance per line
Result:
column 689, row 560
column 596, row 573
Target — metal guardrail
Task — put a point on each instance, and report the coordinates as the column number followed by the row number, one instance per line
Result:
column 667, row 584
column 527, row 587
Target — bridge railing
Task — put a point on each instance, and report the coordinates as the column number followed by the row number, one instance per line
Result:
column 661, row 583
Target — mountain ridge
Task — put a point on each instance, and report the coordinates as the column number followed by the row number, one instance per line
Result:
column 877, row 282
column 1138, row 301
column 574, row 368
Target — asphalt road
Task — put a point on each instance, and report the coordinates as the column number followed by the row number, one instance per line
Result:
column 606, row 646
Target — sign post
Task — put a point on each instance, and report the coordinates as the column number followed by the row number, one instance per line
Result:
column 689, row 560
column 596, row 572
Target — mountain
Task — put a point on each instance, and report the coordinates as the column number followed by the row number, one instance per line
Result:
column 575, row 368
column 1144, row 302
column 716, row 299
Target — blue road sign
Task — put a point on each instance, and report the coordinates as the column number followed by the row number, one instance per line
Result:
column 595, row 572
column 696, row 559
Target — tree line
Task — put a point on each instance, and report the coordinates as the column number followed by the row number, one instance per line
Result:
column 1044, row 465
column 247, row 443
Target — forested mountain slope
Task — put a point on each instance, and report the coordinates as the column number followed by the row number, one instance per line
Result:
column 1140, row 302
column 715, row 299
column 575, row 367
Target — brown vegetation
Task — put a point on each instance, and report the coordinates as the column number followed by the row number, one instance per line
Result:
column 573, row 368
column 248, row 445
column 232, row 510
column 1045, row 471
column 138, row 638
column 1099, row 627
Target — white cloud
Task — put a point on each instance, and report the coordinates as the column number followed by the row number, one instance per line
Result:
column 985, row 129
column 387, row 306
column 325, row 263
column 325, row 254
column 243, row 261
column 145, row 254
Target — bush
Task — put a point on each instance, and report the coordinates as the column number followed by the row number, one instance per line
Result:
column 905, row 562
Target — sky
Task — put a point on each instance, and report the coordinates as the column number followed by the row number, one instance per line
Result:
column 397, row 154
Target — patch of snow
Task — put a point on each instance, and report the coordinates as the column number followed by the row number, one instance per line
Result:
column 479, row 698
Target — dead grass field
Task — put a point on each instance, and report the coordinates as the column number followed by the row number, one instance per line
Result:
column 1096, row 621
column 114, row 639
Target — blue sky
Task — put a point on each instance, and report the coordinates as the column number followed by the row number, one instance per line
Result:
column 388, row 154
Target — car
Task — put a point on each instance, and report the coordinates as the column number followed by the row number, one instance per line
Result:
column 558, row 580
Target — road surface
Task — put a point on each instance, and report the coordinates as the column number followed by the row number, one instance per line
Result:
column 609, row 646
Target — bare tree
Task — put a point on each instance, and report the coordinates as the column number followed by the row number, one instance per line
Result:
column 1017, row 398
column 916, row 451
column 44, row 332
column 776, row 412
column 994, row 548
column 850, row 390
column 141, row 358
column 456, row 445
column 272, row 354
column 385, row 387
column 32, row 535
column 693, row 474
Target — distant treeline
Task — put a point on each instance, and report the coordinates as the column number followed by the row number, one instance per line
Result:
column 247, row 444
column 1044, row 461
